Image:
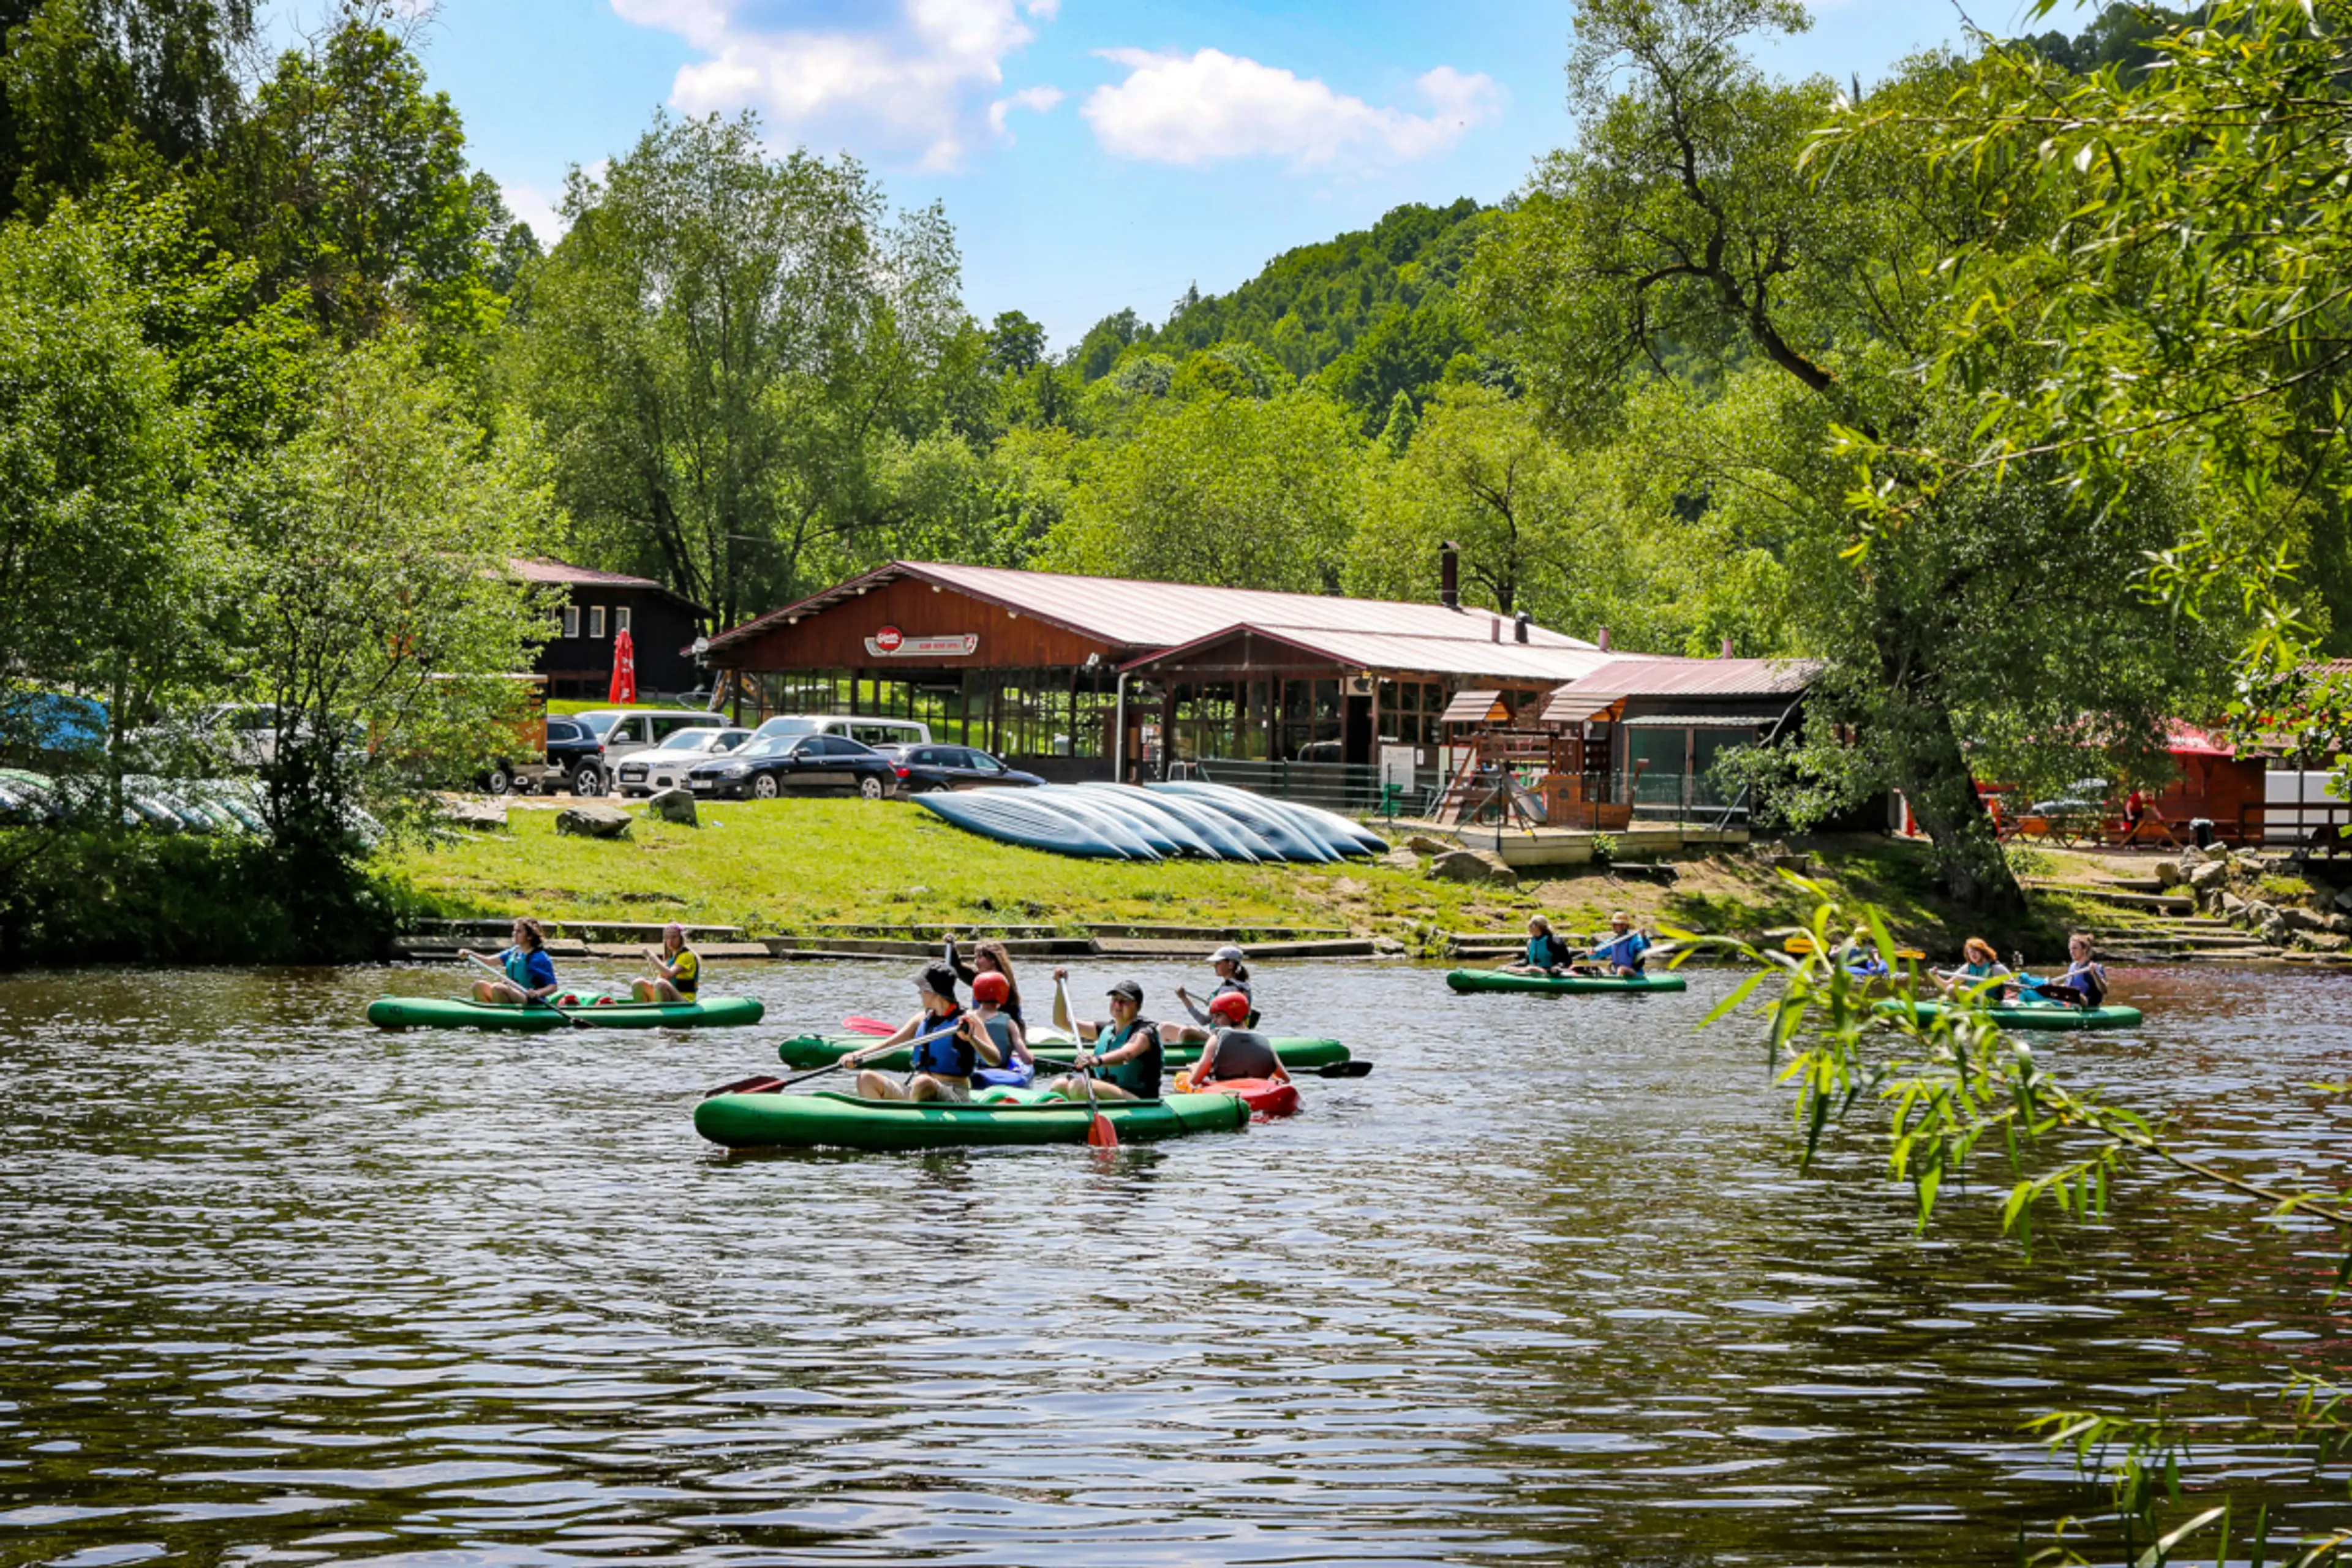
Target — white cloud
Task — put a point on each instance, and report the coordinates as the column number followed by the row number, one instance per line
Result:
column 539, row 208
column 909, row 75
column 1039, row 99
column 1212, row 106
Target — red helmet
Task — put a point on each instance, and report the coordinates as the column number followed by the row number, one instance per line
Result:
column 990, row 986
column 1230, row 1005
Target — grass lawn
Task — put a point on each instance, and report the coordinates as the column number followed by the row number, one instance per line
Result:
column 786, row 865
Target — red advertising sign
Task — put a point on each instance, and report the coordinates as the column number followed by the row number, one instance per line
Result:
column 888, row 638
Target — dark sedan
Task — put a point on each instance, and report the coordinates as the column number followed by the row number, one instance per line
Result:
column 795, row 764
column 921, row 769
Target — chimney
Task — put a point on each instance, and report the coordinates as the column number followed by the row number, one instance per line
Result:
column 1449, row 575
column 1493, row 628
column 1602, row 640
column 1726, row 647
column 1519, row 627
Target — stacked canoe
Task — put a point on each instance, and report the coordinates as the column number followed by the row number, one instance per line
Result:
column 1158, row 822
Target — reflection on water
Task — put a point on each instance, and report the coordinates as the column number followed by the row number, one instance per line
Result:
column 277, row 1286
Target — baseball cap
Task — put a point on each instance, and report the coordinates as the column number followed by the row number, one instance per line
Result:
column 1129, row 989
column 1228, row 953
column 938, row 980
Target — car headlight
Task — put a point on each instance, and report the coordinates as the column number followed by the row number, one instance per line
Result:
column 740, row 770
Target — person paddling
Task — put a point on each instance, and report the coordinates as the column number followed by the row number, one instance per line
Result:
column 677, row 970
column 1861, row 956
column 1234, row 1050
column 1623, row 955
column 1546, row 953
column 1127, row 1060
column 529, row 972
column 2084, row 983
column 1979, row 964
column 990, row 991
column 987, row 958
column 1232, row 979
column 949, row 1045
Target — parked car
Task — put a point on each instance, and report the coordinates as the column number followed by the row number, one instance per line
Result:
column 664, row 766
column 924, row 769
column 796, row 765
column 865, row 731
column 641, row 730
column 575, row 755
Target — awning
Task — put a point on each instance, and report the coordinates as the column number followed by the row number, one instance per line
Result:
column 1474, row 708
column 1579, row 710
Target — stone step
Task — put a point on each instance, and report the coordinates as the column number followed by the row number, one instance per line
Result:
column 2169, row 903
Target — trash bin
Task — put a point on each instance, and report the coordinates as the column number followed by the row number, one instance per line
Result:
column 2200, row 832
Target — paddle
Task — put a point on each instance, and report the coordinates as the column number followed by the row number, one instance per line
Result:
column 1344, row 1070
column 1802, row 945
column 573, row 1019
column 772, row 1085
column 1100, row 1133
column 857, row 1023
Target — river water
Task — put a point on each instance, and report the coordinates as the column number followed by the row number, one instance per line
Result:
column 1545, row 1287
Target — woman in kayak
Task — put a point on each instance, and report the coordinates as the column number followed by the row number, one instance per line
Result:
column 2084, row 983
column 1545, row 954
column 989, row 990
column 948, row 1046
column 1234, row 1050
column 987, row 958
column 1233, row 978
column 529, row 972
column 1622, row 954
column 677, row 970
column 1127, row 1060
column 1979, row 963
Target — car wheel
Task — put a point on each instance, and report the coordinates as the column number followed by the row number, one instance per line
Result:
column 587, row 780
column 764, row 786
column 870, row 787
column 501, row 781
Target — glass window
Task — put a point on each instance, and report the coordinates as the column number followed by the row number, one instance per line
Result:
column 571, row 620
column 627, row 732
column 595, row 620
column 620, row 617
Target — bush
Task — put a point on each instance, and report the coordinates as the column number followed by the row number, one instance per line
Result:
column 2283, row 889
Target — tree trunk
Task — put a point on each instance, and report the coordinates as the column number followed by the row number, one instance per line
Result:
column 1943, row 799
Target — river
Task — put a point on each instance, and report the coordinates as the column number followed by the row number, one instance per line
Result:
column 1545, row 1287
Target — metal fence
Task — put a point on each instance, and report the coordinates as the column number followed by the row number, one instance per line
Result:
column 1686, row 797
column 1352, row 788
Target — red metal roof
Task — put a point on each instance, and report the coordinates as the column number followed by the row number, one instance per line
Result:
column 1680, row 677
column 542, row 571
column 1373, row 633
column 2188, row 741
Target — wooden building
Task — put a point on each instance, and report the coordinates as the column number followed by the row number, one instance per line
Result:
column 597, row 608
column 1079, row 677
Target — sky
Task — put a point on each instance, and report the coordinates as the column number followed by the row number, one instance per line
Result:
column 1092, row 154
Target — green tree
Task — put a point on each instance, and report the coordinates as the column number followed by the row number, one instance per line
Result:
column 723, row 350
column 1230, row 490
column 1015, row 344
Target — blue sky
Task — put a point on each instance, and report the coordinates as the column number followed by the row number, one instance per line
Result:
column 1091, row 154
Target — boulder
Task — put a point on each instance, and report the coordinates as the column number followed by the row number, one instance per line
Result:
column 2191, row 858
column 672, row 805
column 480, row 816
column 593, row 821
column 1422, row 844
column 1473, row 866
column 2230, row 906
column 2167, row 873
column 2304, row 920
column 1402, row 859
column 2344, row 899
column 2274, row 932
column 2209, row 874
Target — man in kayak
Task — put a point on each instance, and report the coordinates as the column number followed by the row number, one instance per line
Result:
column 1545, row 954
column 1622, row 954
column 677, row 970
column 948, row 1046
column 1232, row 979
column 1127, row 1060
column 990, row 993
column 529, row 972
column 1234, row 1050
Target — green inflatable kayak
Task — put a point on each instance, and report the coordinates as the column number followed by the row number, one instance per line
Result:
column 593, row 1011
column 2029, row 1015
column 822, row 1050
column 845, row 1122
column 1558, row 984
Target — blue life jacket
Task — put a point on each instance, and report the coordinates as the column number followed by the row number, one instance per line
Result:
column 949, row 1055
column 529, row 968
column 1013, row 1072
column 1623, row 951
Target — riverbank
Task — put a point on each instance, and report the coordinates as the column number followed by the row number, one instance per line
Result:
column 797, row 865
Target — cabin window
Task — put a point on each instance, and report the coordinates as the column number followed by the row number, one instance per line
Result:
column 595, row 620
column 571, row 620
column 1408, row 711
column 620, row 619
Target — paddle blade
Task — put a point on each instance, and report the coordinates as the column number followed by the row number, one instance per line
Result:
column 875, row 1027
column 1100, row 1133
column 1345, row 1070
column 760, row 1084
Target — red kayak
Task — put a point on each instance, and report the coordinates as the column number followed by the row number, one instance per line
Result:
column 1265, row 1095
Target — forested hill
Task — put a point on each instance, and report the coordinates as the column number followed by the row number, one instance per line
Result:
column 1369, row 313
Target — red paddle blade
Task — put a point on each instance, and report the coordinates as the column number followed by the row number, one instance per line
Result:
column 1100, row 1133
column 874, row 1027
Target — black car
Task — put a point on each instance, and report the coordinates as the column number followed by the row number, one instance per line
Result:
column 575, row 755
column 924, row 769
column 795, row 764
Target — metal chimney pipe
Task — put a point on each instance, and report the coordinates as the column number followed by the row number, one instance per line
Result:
column 1519, row 627
column 1603, row 639
column 1493, row 628
column 1449, row 574
column 1726, row 647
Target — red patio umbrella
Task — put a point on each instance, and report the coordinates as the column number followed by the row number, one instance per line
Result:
column 624, row 668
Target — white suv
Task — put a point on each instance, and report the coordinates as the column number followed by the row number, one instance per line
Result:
column 664, row 767
column 876, row 732
column 628, row 730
